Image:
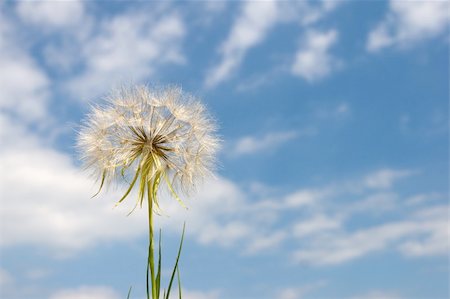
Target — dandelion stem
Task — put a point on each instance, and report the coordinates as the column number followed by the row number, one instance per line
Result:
column 151, row 257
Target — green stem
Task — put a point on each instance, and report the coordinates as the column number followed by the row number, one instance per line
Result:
column 151, row 257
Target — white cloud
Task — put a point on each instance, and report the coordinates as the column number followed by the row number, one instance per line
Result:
column 334, row 112
column 87, row 292
column 313, row 60
column 268, row 142
column 299, row 291
column 54, row 210
column 409, row 22
column 305, row 197
column 386, row 177
column 376, row 203
column 94, row 54
column 250, row 144
column 319, row 223
column 266, row 242
column 435, row 243
column 64, row 26
column 403, row 235
column 37, row 273
column 289, row 293
column 214, row 7
column 128, row 47
column 252, row 26
column 190, row 294
column 378, row 295
column 327, row 240
column 424, row 198
column 6, row 279
column 24, row 87
column 221, row 214
column 56, row 14
column 249, row 29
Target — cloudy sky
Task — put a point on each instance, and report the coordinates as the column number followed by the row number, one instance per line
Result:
column 333, row 174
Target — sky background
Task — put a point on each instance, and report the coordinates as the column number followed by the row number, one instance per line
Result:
column 333, row 175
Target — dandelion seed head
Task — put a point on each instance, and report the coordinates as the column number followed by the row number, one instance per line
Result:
column 159, row 134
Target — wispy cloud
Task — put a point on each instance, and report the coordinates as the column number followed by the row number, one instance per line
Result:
column 378, row 294
column 409, row 22
column 335, row 112
column 51, row 14
column 192, row 294
column 404, row 236
column 318, row 223
column 84, row 292
column 313, row 60
column 299, row 292
column 24, row 86
column 6, row 278
column 329, row 241
column 325, row 237
column 128, row 47
column 54, row 210
column 249, row 29
column 92, row 53
column 270, row 141
column 386, row 177
column 253, row 25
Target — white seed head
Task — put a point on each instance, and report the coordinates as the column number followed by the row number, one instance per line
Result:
column 149, row 135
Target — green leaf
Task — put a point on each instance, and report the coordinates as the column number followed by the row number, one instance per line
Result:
column 155, row 186
column 158, row 273
column 179, row 282
column 131, row 186
column 151, row 256
column 148, row 270
column 101, row 184
column 176, row 263
column 174, row 194
column 129, row 292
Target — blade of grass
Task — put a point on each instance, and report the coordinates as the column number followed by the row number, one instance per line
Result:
column 101, row 184
column 131, row 186
column 176, row 263
column 129, row 292
column 148, row 270
column 174, row 194
column 151, row 250
column 179, row 282
column 158, row 273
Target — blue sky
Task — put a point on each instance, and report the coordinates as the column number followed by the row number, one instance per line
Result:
column 333, row 175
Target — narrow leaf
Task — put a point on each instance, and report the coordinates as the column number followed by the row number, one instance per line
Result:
column 158, row 273
column 174, row 194
column 179, row 282
column 131, row 186
column 151, row 250
column 147, row 273
column 129, row 292
column 101, row 184
column 176, row 263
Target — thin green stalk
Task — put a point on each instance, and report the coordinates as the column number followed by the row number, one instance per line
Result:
column 151, row 257
column 158, row 273
column 176, row 263
column 129, row 292
column 179, row 282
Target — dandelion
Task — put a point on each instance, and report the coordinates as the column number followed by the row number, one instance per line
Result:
column 148, row 137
